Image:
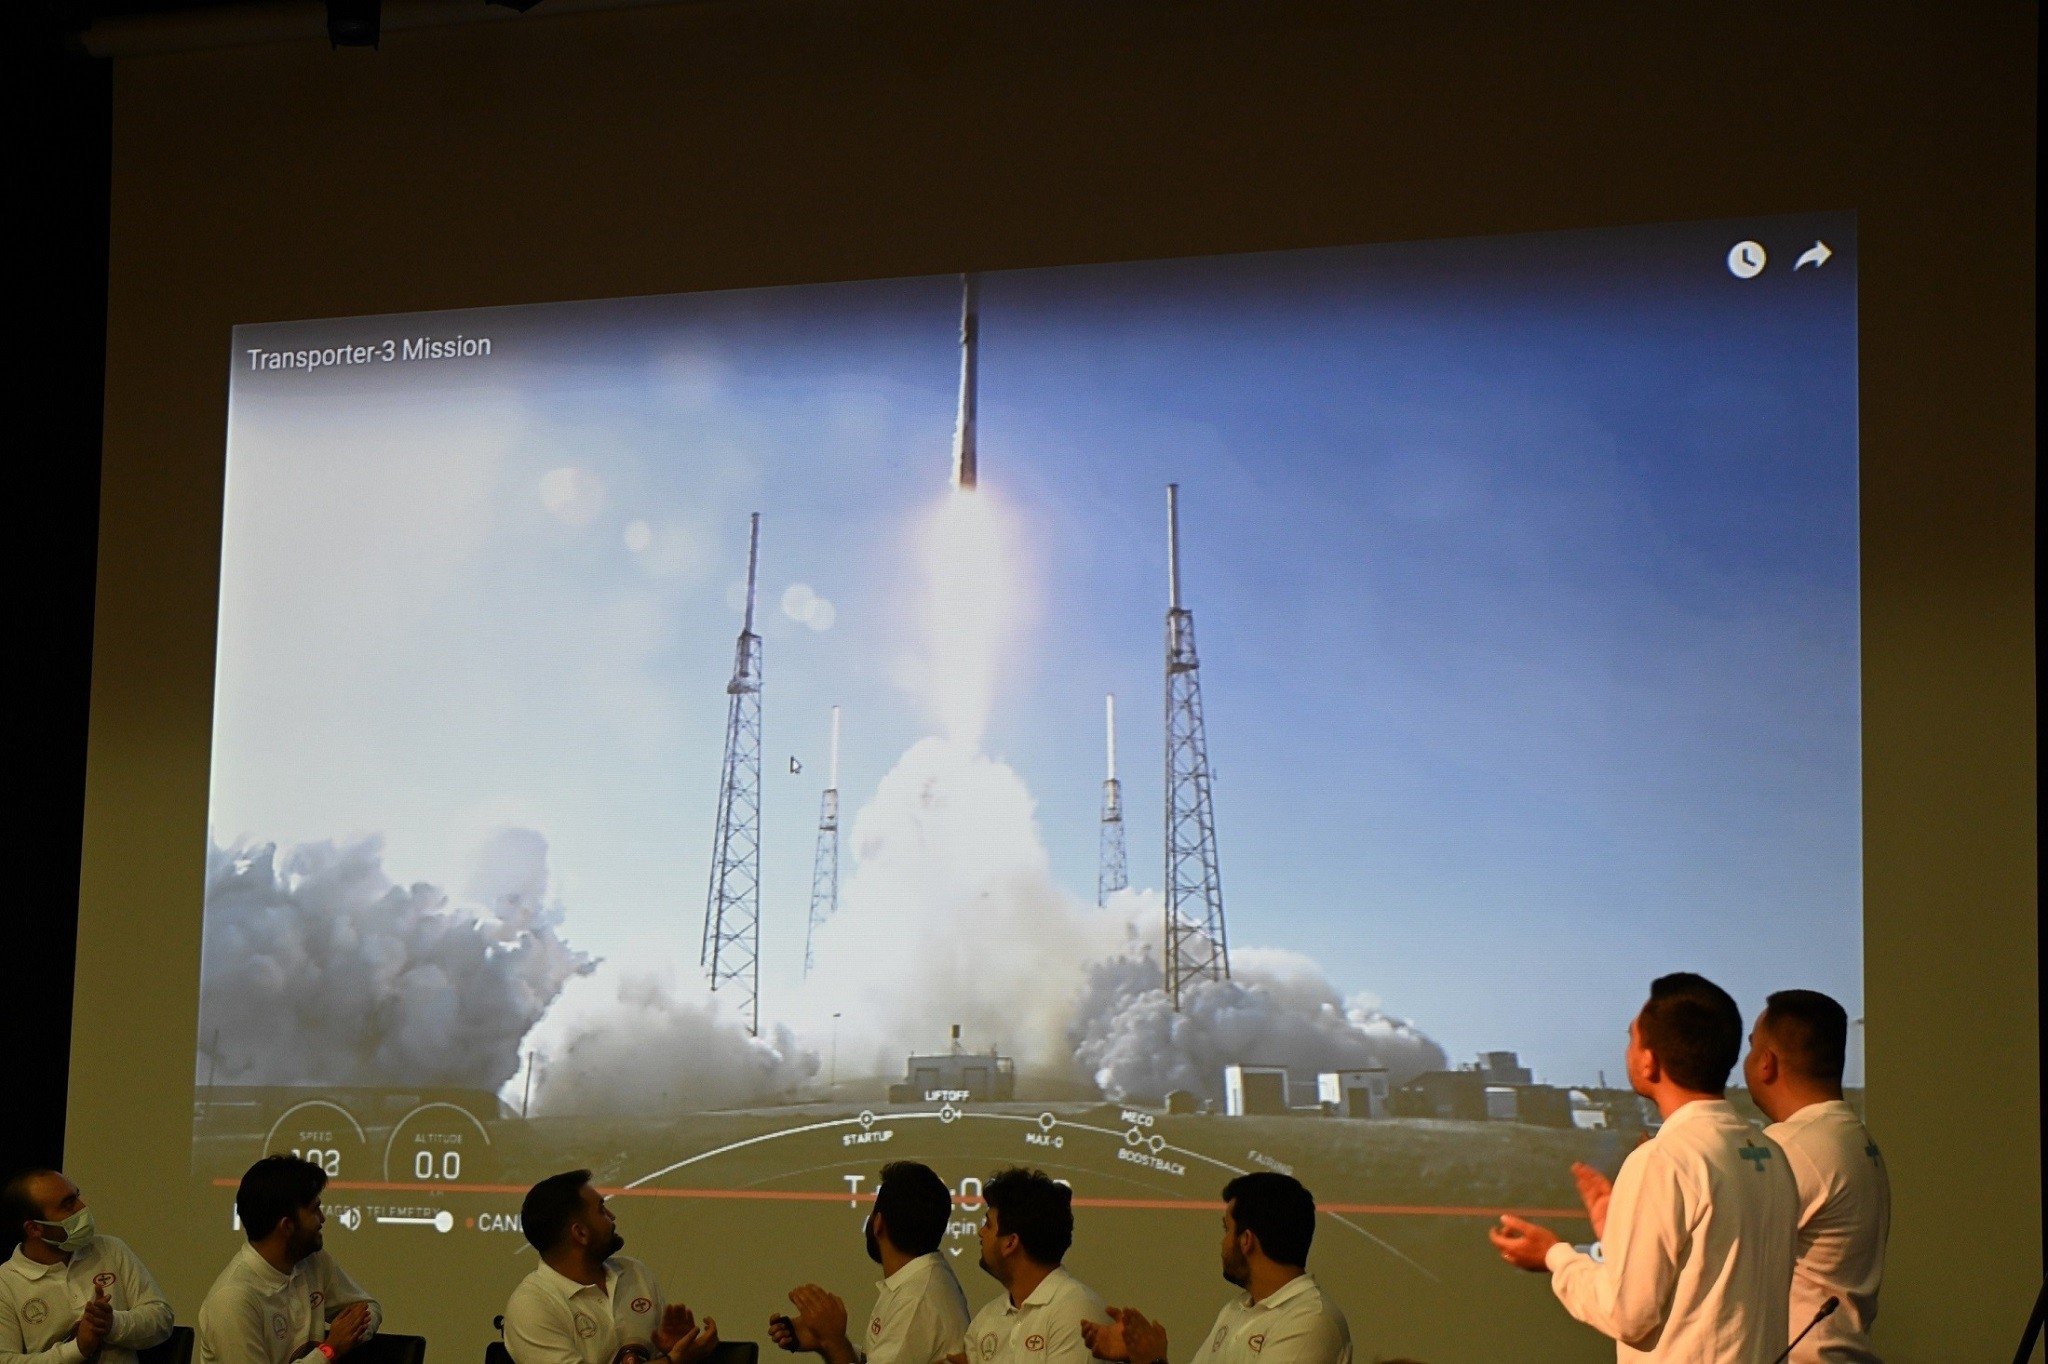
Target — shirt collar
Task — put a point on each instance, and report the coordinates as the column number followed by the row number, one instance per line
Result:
column 1293, row 1288
column 31, row 1269
column 1826, row 1108
column 1697, row 1109
column 912, row 1271
column 267, row 1276
column 1047, row 1286
column 566, row 1287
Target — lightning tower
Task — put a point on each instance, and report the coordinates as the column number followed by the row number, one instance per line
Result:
column 732, row 907
column 825, row 866
column 1196, row 948
column 1112, row 871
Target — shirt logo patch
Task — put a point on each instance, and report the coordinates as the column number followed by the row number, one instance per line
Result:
column 875, row 1327
column 1755, row 1155
column 1257, row 1342
column 585, row 1327
column 35, row 1312
column 643, row 1304
column 103, row 1280
column 277, row 1325
column 317, row 1298
column 988, row 1346
column 1034, row 1343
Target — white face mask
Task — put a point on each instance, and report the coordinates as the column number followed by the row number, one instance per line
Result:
column 73, row 1234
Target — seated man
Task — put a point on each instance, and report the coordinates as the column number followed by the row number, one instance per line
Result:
column 282, row 1296
column 585, row 1303
column 68, row 1294
column 1698, row 1227
column 1025, row 1233
column 1794, row 1071
column 1282, row 1317
column 920, row 1312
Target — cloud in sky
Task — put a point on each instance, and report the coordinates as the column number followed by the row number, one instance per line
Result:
column 801, row 603
column 572, row 495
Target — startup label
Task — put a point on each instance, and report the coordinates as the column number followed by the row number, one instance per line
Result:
column 391, row 350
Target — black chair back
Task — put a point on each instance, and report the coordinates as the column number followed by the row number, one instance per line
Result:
column 176, row 1348
column 736, row 1352
column 384, row 1348
column 496, row 1353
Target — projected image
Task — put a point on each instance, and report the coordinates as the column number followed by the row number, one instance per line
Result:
column 1146, row 721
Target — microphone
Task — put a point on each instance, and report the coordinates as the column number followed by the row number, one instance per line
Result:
column 1826, row 1309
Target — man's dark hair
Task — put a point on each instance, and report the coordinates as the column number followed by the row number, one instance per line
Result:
column 1030, row 1206
column 18, row 1205
column 1694, row 1029
column 1810, row 1031
column 274, row 1188
column 915, row 1205
column 550, row 1206
column 1276, row 1209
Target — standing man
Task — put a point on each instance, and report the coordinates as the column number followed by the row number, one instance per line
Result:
column 69, row 1295
column 1282, row 1317
column 1699, row 1228
column 1025, row 1233
column 585, row 1303
column 920, row 1313
column 1794, row 1072
column 283, row 1297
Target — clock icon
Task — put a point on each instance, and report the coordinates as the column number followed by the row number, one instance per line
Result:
column 1746, row 260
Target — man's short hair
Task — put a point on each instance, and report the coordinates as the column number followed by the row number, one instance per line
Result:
column 550, row 1206
column 915, row 1205
column 18, row 1204
column 274, row 1188
column 1276, row 1209
column 1694, row 1029
column 1031, row 1206
column 1810, row 1032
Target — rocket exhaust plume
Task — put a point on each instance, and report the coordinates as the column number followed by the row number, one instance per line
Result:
column 966, row 473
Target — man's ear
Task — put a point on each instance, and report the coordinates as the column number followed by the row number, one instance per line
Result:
column 1766, row 1065
column 1248, row 1242
column 881, row 1227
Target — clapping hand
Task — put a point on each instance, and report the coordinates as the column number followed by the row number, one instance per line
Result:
column 1129, row 1337
column 681, row 1340
column 94, row 1323
column 1595, row 1191
column 1522, row 1244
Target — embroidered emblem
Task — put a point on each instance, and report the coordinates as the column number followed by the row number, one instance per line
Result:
column 317, row 1298
column 988, row 1346
column 103, row 1280
column 1755, row 1155
column 35, row 1312
column 585, row 1327
column 1257, row 1342
column 875, row 1326
column 277, row 1325
column 1034, row 1342
column 643, row 1304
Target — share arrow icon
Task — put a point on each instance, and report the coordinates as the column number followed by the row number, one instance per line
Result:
column 1816, row 255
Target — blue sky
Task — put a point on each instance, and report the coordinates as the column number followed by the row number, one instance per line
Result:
column 1524, row 573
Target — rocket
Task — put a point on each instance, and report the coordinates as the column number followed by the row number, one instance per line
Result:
column 966, row 471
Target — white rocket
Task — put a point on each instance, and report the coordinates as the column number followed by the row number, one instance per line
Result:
column 966, row 472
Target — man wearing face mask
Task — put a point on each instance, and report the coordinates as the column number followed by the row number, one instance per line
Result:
column 585, row 1303
column 283, row 1297
column 920, row 1311
column 69, row 1295
column 1283, row 1315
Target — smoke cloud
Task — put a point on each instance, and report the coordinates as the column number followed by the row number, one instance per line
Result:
column 317, row 969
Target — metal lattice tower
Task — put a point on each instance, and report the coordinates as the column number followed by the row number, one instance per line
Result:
column 732, row 907
column 1196, row 948
column 825, row 866
column 1112, row 870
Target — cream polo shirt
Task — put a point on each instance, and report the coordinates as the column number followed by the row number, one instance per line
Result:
column 1295, row 1324
column 1845, row 1217
column 1698, row 1247
column 1043, row 1329
column 552, row 1319
column 40, row 1305
column 920, row 1315
column 255, row 1315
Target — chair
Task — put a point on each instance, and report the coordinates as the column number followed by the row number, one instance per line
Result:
column 736, row 1352
column 495, row 1352
column 384, row 1348
column 176, row 1348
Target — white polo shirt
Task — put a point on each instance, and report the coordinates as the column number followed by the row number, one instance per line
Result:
column 1845, row 1217
column 1295, row 1324
column 552, row 1319
column 255, row 1315
column 1698, row 1250
column 40, row 1305
column 920, row 1315
column 1043, row 1329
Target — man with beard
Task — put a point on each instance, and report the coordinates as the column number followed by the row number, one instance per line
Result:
column 585, row 1303
column 1282, row 1317
column 1025, row 1233
column 69, row 1295
column 282, row 1296
column 920, row 1311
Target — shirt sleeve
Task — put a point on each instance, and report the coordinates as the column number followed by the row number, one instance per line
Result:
column 535, row 1335
column 146, row 1321
column 913, row 1335
column 1627, row 1295
column 342, row 1291
column 1063, row 1342
column 231, row 1330
column 13, row 1348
